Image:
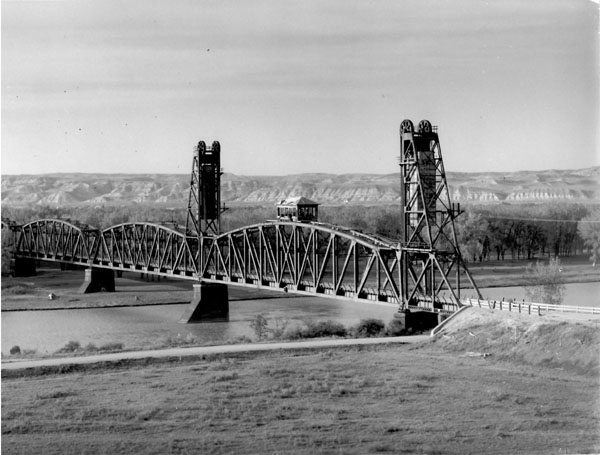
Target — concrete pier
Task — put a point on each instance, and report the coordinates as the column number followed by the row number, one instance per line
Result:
column 210, row 302
column 98, row 280
column 418, row 321
column 22, row 267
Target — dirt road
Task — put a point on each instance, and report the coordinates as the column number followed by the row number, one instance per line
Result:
column 205, row 350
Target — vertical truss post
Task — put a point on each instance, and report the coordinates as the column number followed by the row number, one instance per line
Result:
column 429, row 247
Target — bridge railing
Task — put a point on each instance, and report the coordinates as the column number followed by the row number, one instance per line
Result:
column 529, row 307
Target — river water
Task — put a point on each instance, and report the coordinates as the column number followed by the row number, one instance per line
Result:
column 149, row 326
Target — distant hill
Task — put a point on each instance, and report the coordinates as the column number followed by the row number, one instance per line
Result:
column 581, row 185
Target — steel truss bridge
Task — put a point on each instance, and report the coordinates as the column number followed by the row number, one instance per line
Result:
column 422, row 270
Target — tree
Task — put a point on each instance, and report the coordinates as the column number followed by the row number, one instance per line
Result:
column 545, row 282
column 589, row 230
column 472, row 230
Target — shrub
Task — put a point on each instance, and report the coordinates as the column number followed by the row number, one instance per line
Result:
column 369, row 328
column 395, row 328
column 545, row 282
column 71, row 346
column 324, row 329
column 179, row 340
column 278, row 331
column 90, row 347
column 260, row 327
column 112, row 346
column 15, row 350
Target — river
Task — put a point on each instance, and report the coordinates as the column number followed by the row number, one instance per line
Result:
column 150, row 326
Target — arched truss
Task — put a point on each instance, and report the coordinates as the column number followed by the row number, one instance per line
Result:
column 150, row 248
column 56, row 240
column 313, row 258
column 310, row 258
column 145, row 247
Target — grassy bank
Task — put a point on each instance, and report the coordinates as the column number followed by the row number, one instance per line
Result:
column 490, row 383
column 369, row 400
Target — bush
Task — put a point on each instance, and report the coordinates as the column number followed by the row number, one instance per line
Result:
column 327, row 328
column 545, row 282
column 90, row 347
column 260, row 327
column 112, row 346
column 71, row 346
column 15, row 350
column 395, row 328
column 369, row 328
column 176, row 341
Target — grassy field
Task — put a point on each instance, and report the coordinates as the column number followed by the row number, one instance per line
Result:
column 454, row 395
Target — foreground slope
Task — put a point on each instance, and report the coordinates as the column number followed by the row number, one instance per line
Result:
column 534, row 391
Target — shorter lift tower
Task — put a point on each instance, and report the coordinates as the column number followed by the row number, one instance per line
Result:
column 431, row 264
column 204, row 205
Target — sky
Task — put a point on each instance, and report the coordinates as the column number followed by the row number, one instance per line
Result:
column 288, row 87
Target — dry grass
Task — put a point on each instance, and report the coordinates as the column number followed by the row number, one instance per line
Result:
column 386, row 399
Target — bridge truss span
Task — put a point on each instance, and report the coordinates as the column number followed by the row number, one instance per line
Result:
column 145, row 247
column 148, row 247
column 57, row 240
column 312, row 258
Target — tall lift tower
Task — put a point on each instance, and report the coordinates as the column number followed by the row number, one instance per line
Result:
column 430, row 258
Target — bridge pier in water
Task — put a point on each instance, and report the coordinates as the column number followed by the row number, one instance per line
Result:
column 210, row 302
column 98, row 280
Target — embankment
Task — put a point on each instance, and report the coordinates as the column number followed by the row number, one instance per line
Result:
column 566, row 341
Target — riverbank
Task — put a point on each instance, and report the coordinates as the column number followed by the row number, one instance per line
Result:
column 490, row 382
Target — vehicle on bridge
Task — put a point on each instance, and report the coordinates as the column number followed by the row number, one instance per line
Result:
column 297, row 208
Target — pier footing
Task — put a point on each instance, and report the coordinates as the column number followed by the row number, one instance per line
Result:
column 98, row 280
column 210, row 302
column 418, row 321
column 22, row 267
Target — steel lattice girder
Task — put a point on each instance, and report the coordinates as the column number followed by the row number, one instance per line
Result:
column 304, row 257
column 53, row 239
column 311, row 258
column 146, row 247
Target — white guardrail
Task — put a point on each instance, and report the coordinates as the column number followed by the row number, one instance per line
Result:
column 528, row 307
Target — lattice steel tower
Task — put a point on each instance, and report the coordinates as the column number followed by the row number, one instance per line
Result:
column 430, row 259
column 204, row 205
